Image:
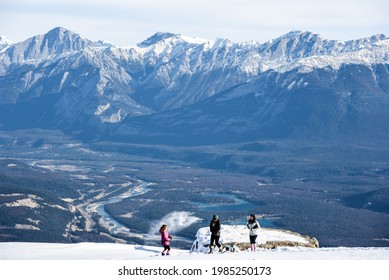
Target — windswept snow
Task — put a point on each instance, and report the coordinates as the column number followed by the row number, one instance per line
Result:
column 109, row 251
column 176, row 221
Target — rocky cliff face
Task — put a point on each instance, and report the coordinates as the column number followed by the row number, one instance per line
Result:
column 218, row 88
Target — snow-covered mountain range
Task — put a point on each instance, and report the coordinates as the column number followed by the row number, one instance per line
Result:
column 62, row 80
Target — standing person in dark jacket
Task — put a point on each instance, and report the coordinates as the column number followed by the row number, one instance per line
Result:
column 253, row 226
column 214, row 227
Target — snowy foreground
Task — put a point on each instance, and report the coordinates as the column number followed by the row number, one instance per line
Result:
column 109, row 251
column 230, row 234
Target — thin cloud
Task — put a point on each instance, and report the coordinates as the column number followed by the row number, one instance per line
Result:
column 126, row 22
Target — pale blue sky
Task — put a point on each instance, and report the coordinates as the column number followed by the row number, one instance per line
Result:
column 126, row 22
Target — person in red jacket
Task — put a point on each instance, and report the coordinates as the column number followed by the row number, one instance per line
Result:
column 165, row 240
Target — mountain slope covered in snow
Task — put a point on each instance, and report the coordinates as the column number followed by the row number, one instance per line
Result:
column 61, row 80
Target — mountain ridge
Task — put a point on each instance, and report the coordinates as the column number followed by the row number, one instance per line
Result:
column 74, row 82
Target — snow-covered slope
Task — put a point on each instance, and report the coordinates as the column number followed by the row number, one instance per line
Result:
column 109, row 251
column 66, row 82
column 230, row 234
column 178, row 69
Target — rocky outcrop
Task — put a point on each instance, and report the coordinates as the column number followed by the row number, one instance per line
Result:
column 236, row 238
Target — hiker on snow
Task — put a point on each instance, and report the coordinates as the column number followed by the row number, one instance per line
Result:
column 214, row 227
column 253, row 226
column 165, row 240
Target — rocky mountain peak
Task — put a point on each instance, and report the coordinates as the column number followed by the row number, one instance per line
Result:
column 167, row 71
column 4, row 41
column 157, row 37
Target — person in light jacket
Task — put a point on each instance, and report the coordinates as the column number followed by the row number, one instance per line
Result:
column 165, row 240
column 253, row 226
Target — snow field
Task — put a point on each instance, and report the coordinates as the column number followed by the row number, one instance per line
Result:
column 112, row 251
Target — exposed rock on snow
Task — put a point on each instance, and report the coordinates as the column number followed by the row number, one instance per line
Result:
column 29, row 201
column 238, row 236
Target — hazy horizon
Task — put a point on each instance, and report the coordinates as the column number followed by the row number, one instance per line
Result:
column 125, row 23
